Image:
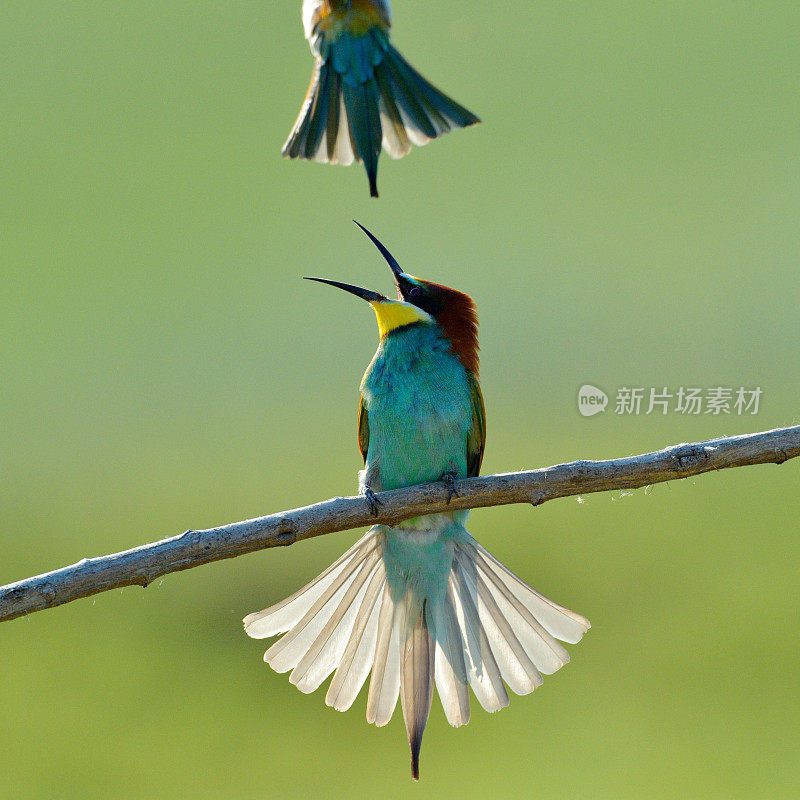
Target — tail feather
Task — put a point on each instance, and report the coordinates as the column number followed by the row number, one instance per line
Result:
column 318, row 114
column 285, row 615
column 305, row 139
column 333, row 149
column 384, row 685
column 365, row 96
column 555, row 619
column 360, row 653
column 545, row 652
column 482, row 670
column 431, row 112
column 344, row 152
column 416, row 677
column 317, row 134
column 361, row 102
column 332, row 123
column 322, row 658
column 515, row 665
column 395, row 139
column 418, row 125
column 456, row 115
column 285, row 654
column 295, row 144
column 482, row 626
column 451, row 671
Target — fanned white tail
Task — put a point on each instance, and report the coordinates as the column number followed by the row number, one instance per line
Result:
column 475, row 624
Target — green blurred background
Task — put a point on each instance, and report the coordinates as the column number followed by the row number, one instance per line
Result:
column 625, row 215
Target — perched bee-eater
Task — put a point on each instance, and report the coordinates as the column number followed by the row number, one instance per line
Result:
column 420, row 602
column 363, row 93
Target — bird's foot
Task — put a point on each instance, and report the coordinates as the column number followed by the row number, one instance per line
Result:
column 449, row 481
column 373, row 501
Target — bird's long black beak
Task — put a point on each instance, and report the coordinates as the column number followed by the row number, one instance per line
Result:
column 390, row 259
column 364, row 294
column 400, row 278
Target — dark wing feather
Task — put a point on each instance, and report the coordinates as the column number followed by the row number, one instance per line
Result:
column 363, row 429
column 476, row 438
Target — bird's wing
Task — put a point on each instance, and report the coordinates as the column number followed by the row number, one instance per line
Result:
column 363, row 428
column 476, row 438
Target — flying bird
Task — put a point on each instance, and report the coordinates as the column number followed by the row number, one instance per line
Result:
column 364, row 95
column 421, row 602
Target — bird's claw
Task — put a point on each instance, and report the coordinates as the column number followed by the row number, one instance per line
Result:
column 449, row 481
column 373, row 501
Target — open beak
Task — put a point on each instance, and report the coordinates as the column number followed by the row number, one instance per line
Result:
column 400, row 278
column 364, row 294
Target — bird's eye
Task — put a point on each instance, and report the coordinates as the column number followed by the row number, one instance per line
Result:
column 414, row 291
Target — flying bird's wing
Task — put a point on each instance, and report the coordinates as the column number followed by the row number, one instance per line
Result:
column 476, row 438
column 363, row 428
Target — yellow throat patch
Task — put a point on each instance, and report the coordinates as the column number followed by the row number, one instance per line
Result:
column 393, row 314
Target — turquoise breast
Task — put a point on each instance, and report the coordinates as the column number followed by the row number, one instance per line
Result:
column 419, row 409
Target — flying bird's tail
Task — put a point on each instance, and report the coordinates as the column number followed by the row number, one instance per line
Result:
column 363, row 96
column 417, row 606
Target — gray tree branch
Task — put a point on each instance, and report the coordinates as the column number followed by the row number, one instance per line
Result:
column 142, row 565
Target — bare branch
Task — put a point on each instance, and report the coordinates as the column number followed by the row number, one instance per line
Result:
column 142, row 565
